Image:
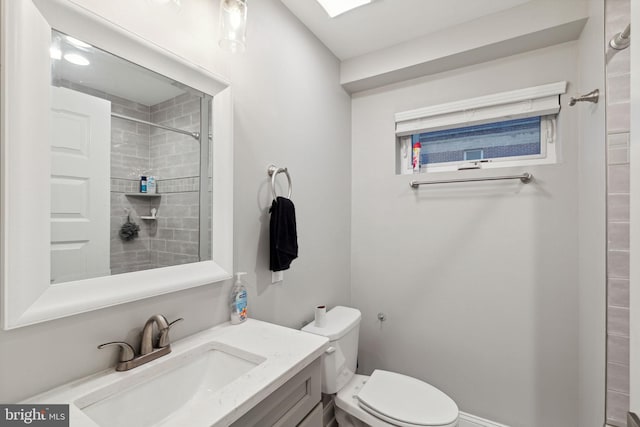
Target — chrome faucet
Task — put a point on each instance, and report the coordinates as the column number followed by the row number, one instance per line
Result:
column 150, row 348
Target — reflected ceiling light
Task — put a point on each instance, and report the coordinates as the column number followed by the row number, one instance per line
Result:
column 338, row 7
column 78, row 43
column 233, row 25
column 55, row 53
column 76, row 59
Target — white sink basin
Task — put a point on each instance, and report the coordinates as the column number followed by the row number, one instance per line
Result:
column 211, row 378
column 154, row 399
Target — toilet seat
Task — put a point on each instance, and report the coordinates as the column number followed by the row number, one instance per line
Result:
column 391, row 399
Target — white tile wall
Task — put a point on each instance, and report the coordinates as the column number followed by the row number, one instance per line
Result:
column 618, row 122
column 618, row 117
column 618, row 377
column 618, row 292
column 618, row 235
column 618, row 148
column 618, row 264
column 618, row 349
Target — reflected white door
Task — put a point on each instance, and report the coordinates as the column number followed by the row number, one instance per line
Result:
column 80, row 198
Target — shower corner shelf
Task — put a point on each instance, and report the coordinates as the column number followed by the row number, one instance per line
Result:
column 153, row 218
column 143, row 195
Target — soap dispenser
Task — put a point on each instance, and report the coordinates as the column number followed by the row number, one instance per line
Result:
column 238, row 301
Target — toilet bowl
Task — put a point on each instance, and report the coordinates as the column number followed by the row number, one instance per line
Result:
column 383, row 399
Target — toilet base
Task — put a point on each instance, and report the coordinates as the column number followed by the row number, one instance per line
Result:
column 347, row 420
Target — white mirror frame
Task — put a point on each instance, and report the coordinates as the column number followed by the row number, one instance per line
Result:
column 27, row 296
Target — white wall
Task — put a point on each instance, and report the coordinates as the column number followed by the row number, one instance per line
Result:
column 532, row 25
column 592, row 223
column 286, row 74
column 479, row 282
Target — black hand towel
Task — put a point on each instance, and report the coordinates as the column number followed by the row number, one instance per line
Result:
column 282, row 232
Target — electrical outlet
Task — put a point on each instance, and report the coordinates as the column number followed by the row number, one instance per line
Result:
column 277, row 276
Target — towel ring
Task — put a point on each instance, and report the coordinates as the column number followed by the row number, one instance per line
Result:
column 273, row 171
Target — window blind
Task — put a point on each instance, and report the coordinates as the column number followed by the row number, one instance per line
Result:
column 534, row 101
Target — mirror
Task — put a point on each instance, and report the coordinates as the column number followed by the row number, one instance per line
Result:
column 51, row 185
column 129, row 149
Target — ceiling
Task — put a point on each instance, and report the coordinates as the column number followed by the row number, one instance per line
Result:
column 385, row 23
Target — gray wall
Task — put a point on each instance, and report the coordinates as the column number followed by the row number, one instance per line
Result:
column 478, row 281
column 289, row 110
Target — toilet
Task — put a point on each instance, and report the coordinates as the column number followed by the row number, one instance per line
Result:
column 383, row 399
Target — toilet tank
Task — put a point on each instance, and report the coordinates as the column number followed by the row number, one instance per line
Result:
column 339, row 360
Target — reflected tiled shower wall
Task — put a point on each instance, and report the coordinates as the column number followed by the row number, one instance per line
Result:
column 175, row 160
column 618, row 123
column 173, row 238
column 129, row 158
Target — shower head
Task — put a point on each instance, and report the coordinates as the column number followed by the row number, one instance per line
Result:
column 621, row 40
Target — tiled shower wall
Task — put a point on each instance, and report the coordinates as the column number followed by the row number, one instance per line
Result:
column 618, row 123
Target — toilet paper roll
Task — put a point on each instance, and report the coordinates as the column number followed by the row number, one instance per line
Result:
column 321, row 316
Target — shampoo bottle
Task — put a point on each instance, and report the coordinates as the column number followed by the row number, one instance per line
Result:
column 143, row 184
column 151, row 185
column 238, row 301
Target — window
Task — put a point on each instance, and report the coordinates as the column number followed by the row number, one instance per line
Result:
column 521, row 138
column 473, row 154
column 507, row 129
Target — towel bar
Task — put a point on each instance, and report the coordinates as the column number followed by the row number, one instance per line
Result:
column 525, row 178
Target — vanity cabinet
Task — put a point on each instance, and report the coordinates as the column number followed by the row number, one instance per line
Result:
column 295, row 403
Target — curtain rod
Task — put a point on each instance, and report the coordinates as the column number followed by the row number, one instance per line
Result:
column 195, row 135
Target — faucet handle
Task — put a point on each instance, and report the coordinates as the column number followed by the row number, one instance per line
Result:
column 127, row 352
column 163, row 341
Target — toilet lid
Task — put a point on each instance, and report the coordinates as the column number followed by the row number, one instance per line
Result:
column 406, row 401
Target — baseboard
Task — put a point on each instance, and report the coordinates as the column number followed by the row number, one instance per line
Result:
column 468, row 420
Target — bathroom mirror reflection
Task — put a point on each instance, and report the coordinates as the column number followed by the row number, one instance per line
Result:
column 113, row 123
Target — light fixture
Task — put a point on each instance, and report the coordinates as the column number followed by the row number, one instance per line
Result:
column 338, row 7
column 76, row 59
column 233, row 25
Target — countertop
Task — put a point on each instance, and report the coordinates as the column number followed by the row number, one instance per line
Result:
column 284, row 352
